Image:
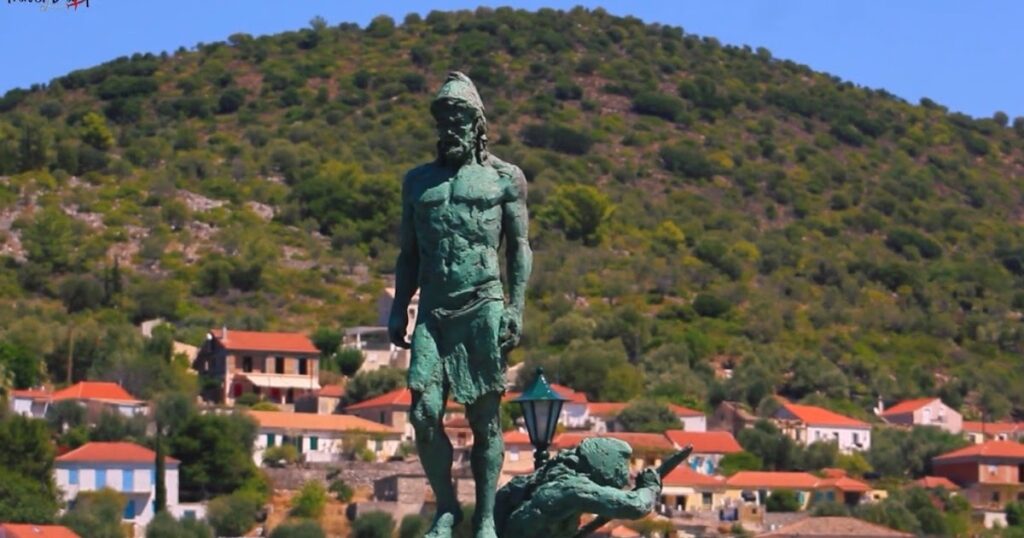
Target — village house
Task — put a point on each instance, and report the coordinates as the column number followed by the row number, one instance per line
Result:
column 518, row 453
column 278, row 367
column 923, row 412
column 323, row 438
column 755, row 486
column 95, row 396
column 979, row 432
column 603, row 417
column 127, row 468
column 648, row 448
column 685, row 490
column 808, row 424
column 30, row 530
column 376, row 346
column 990, row 474
column 936, row 483
column 328, row 400
column 392, row 409
column 708, row 448
column 731, row 417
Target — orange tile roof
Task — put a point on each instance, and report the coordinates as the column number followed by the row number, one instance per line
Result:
column 12, row 530
column 991, row 428
column 398, row 397
column 705, row 442
column 639, row 441
column 684, row 476
column 264, row 341
column 516, row 437
column 112, row 453
column 991, row 449
column 606, row 409
column 94, row 390
column 844, row 484
column 845, row 527
column 936, row 482
column 772, row 479
column 817, row 416
column 310, row 421
column 332, row 391
column 908, row 406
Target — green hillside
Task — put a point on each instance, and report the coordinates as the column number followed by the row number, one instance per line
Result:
column 698, row 210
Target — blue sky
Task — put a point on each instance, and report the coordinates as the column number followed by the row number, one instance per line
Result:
column 966, row 55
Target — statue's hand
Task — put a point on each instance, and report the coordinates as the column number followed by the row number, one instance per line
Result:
column 511, row 328
column 397, row 323
column 648, row 478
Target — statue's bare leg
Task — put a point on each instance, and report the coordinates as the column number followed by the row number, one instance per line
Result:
column 435, row 451
column 486, row 459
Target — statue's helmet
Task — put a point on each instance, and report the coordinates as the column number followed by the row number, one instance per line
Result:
column 605, row 460
column 458, row 90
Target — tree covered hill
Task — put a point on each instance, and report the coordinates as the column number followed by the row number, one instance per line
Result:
column 709, row 222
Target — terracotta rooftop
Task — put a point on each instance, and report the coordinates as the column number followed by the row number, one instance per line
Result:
column 516, row 437
column 13, row 530
column 936, row 482
column 991, row 428
column 606, row 409
column 705, row 442
column 639, row 441
column 561, row 390
column 332, row 391
column 398, row 397
column 845, row 527
column 111, row 453
column 991, row 449
column 772, row 479
column 907, row 406
column 94, row 390
column 845, row 484
column 817, row 416
column 684, row 476
column 264, row 341
column 315, row 422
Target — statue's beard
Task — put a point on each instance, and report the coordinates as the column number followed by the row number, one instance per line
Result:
column 456, row 151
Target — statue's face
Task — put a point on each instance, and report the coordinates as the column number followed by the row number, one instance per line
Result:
column 455, row 135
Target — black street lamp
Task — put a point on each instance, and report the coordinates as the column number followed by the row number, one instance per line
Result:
column 541, row 409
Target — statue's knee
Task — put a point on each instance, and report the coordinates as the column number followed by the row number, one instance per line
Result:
column 425, row 422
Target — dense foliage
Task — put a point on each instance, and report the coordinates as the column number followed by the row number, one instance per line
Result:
column 697, row 208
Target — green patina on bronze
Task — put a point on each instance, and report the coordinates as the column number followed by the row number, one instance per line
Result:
column 587, row 479
column 456, row 213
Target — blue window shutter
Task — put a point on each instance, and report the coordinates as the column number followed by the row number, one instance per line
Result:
column 73, row 477
column 129, row 509
column 314, row 442
column 127, row 480
column 101, row 478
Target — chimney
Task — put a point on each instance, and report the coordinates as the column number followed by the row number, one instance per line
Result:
column 880, row 408
column 224, row 333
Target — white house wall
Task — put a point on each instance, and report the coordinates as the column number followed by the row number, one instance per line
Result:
column 843, row 436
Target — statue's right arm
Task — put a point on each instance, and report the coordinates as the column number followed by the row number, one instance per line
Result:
column 406, row 269
column 588, row 497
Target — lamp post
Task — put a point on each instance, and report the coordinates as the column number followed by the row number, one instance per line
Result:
column 541, row 409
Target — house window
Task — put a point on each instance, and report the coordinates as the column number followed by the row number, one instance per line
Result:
column 279, row 365
column 303, row 367
column 246, row 364
column 127, row 480
column 189, row 514
column 289, row 396
column 129, row 509
column 513, row 453
column 237, row 390
column 314, row 442
column 73, row 477
column 270, row 439
column 856, row 438
column 378, row 445
column 383, row 418
column 101, row 478
column 706, row 498
column 995, row 497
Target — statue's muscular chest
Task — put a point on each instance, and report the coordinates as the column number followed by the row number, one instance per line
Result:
column 466, row 204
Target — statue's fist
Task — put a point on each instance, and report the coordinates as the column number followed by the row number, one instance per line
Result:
column 397, row 323
column 511, row 328
column 648, row 478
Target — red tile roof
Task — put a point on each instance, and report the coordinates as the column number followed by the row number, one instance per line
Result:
column 332, row 391
column 112, row 453
column 705, row 442
column 516, row 437
column 94, row 390
column 639, row 441
column 772, row 479
column 34, row 394
column 817, row 416
column 844, row 484
column 606, row 409
column 991, row 449
column 264, row 341
column 845, row 527
column 562, row 390
column 681, row 411
column 684, row 476
column 315, row 422
column 907, row 406
column 936, row 482
column 991, row 428
column 398, row 397
column 12, row 530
